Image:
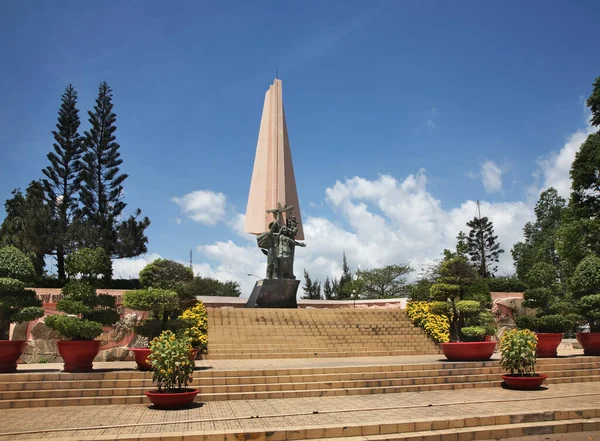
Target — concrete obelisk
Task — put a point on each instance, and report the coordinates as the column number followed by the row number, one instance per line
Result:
column 273, row 210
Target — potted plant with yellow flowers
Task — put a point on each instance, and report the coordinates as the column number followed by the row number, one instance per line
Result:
column 519, row 356
column 172, row 370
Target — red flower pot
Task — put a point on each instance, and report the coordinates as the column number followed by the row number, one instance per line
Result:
column 176, row 400
column 468, row 351
column 78, row 354
column 141, row 358
column 590, row 342
column 10, row 351
column 547, row 343
column 524, row 383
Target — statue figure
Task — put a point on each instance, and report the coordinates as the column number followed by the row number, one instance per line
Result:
column 278, row 244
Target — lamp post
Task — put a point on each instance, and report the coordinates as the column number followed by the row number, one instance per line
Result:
column 251, row 274
column 354, row 297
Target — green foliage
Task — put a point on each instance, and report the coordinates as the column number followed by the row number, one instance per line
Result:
column 593, row 102
column 89, row 263
column 17, row 305
column 74, row 328
column 473, row 333
column 343, row 291
column 328, row 292
column 483, row 248
column 506, row 284
column 97, row 222
column 60, row 183
column 443, row 291
column 165, row 274
column 589, row 306
column 29, row 225
column 585, row 285
column 159, row 301
column 205, row 286
column 553, row 323
column 540, row 298
column 518, row 352
column 542, row 242
column 15, row 264
column 312, row 289
column 382, row 283
column 172, row 367
column 419, row 290
column 541, row 275
column 463, row 297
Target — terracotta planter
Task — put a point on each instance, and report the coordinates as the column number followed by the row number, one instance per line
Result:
column 468, row 351
column 10, row 351
column 141, row 358
column 590, row 342
column 172, row 400
column 547, row 343
column 524, row 383
column 194, row 354
column 78, row 354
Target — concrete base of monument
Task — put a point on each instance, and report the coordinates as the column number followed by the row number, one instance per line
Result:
column 274, row 293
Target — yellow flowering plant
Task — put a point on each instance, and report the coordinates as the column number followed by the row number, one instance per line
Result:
column 172, row 366
column 518, row 352
column 196, row 320
column 435, row 325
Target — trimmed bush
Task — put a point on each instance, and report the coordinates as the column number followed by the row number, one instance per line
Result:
column 15, row 264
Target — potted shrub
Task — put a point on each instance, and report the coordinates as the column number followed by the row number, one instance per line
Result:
column 585, row 286
column 518, row 352
column 86, row 310
column 17, row 304
column 196, row 329
column 554, row 314
column 172, row 370
column 163, row 294
column 461, row 296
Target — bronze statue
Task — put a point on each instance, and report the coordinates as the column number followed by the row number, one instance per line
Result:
column 278, row 244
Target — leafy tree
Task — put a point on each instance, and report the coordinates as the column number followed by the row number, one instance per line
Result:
column 101, row 192
column 89, row 264
column 593, row 102
column 465, row 308
column 386, row 282
column 328, row 289
column 419, row 290
column 346, row 278
column 165, row 274
column 585, row 285
column 462, row 245
column 484, row 250
column 28, row 224
column 541, row 236
column 205, row 286
column 61, row 183
column 15, row 264
column 312, row 290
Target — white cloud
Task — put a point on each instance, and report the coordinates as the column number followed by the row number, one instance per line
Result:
column 204, row 206
column 554, row 169
column 491, row 177
column 130, row 268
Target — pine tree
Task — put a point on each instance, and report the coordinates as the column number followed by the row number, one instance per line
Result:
column 462, row 245
column 345, row 280
column 101, row 193
column 328, row 290
column 312, row 290
column 28, row 224
column 60, row 184
column 484, row 251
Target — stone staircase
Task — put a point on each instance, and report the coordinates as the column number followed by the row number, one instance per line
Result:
column 239, row 333
column 48, row 389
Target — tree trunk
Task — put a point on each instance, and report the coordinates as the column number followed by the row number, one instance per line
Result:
column 60, row 264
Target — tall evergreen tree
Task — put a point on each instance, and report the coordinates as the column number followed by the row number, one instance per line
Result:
column 344, row 291
column 101, row 193
column 61, row 184
column 328, row 289
column 593, row 102
column 312, row 289
column 28, row 224
column 484, row 251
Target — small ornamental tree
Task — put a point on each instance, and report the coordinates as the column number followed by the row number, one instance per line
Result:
column 454, row 297
column 165, row 274
column 585, row 285
column 554, row 313
column 86, row 310
column 17, row 304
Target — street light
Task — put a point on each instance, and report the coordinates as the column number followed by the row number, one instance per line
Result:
column 250, row 274
column 354, row 297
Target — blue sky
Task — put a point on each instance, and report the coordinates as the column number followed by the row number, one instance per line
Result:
column 400, row 114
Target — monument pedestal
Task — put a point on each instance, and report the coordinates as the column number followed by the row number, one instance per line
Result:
column 274, row 293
